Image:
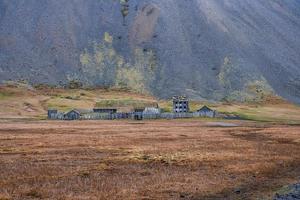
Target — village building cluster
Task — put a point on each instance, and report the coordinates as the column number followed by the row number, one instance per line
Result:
column 181, row 109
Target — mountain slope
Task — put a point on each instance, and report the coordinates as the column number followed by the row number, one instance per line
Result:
column 232, row 49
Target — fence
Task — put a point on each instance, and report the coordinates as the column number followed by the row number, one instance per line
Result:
column 115, row 116
column 106, row 116
column 133, row 115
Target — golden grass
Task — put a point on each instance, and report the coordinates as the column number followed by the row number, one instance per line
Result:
column 283, row 113
column 21, row 102
column 24, row 102
column 181, row 159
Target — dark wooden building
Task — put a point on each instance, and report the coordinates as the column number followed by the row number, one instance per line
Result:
column 206, row 112
column 138, row 113
column 72, row 115
column 52, row 113
column 180, row 104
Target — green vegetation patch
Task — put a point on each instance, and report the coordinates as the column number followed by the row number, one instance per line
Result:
column 125, row 103
column 5, row 95
column 260, row 114
column 58, row 106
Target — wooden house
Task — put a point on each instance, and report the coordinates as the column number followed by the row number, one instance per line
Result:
column 152, row 110
column 76, row 114
column 72, row 115
column 52, row 113
column 138, row 113
column 206, row 112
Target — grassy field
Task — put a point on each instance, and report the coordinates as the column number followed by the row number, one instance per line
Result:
column 176, row 159
column 181, row 159
column 24, row 102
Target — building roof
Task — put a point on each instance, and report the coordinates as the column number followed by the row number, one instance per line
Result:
column 50, row 109
column 104, row 108
column 76, row 111
column 205, row 109
column 180, row 98
column 152, row 110
column 139, row 109
column 79, row 111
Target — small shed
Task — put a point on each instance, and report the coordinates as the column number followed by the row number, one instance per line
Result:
column 152, row 110
column 206, row 112
column 52, row 113
column 138, row 113
column 72, row 115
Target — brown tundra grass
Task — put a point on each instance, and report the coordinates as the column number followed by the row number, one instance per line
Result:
column 181, row 159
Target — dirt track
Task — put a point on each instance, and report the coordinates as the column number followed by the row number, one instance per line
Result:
column 181, row 159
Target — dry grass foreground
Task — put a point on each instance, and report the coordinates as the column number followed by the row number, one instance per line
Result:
column 181, row 159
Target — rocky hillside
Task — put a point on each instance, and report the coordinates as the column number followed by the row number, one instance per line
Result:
column 231, row 49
